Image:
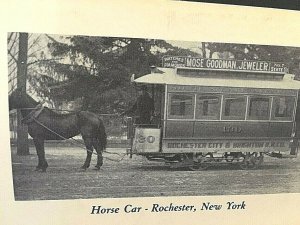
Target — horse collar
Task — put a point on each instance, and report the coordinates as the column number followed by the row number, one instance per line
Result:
column 33, row 114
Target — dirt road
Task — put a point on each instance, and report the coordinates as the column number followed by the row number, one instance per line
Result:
column 138, row 177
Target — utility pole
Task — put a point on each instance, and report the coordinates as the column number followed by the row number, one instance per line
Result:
column 22, row 130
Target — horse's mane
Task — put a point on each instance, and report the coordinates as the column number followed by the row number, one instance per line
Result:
column 54, row 113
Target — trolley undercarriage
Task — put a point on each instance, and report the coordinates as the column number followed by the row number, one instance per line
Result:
column 202, row 161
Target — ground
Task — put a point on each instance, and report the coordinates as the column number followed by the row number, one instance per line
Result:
column 138, row 177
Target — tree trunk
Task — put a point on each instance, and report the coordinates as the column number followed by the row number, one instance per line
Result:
column 203, row 50
column 22, row 132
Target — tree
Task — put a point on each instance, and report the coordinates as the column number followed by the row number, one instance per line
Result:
column 94, row 72
column 97, row 70
column 21, row 56
column 22, row 132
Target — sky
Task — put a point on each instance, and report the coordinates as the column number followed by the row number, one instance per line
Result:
column 191, row 45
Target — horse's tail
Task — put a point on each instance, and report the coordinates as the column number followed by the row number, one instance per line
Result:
column 102, row 134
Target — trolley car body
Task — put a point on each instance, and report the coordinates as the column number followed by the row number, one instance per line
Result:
column 214, row 110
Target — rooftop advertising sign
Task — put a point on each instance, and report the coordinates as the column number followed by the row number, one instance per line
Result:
column 224, row 64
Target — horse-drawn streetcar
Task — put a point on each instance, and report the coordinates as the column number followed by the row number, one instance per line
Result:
column 219, row 111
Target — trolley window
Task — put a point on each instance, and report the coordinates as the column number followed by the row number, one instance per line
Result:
column 181, row 106
column 259, row 108
column 208, row 107
column 283, row 108
column 234, row 107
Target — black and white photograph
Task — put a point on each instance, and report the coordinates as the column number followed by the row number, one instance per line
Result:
column 107, row 117
column 149, row 112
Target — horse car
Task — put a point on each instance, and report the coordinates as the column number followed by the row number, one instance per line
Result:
column 218, row 111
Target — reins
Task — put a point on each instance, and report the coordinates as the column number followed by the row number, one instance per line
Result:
column 76, row 142
column 71, row 111
column 81, row 144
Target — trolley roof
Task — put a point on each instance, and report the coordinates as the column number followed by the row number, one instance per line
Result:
column 168, row 76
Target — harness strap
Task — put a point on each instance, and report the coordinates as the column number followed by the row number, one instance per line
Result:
column 79, row 142
column 33, row 114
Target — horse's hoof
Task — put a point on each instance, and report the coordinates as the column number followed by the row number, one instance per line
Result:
column 83, row 168
column 42, row 170
column 97, row 168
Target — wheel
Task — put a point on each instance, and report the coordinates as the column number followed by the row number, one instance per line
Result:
column 201, row 162
column 229, row 157
column 250, row 160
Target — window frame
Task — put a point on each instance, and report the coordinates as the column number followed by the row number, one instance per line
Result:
column 208, row 118
column 285, row 119
column 177, row 117
column 270, row 106
column 225, row 118
column 222, row 98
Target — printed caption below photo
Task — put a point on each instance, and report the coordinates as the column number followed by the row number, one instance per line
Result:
column 171, row 207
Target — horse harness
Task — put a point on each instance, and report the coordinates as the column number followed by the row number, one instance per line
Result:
column 34, row 114
column 31, row 117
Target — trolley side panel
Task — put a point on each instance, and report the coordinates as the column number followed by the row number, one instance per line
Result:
column 219, row 129
column 225, row 145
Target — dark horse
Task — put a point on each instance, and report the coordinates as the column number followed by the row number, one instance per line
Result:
column 40, row 119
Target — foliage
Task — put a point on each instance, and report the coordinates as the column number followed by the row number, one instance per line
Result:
column 95, row 71
column 98, row 69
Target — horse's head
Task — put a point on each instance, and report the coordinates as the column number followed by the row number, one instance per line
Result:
column 18, row 99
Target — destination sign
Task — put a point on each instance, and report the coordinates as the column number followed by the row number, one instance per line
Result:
column 224, row 64
column 223, row 146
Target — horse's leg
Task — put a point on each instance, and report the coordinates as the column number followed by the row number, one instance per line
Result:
column 40, row 150
column 89, row 146
column 97, row 145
